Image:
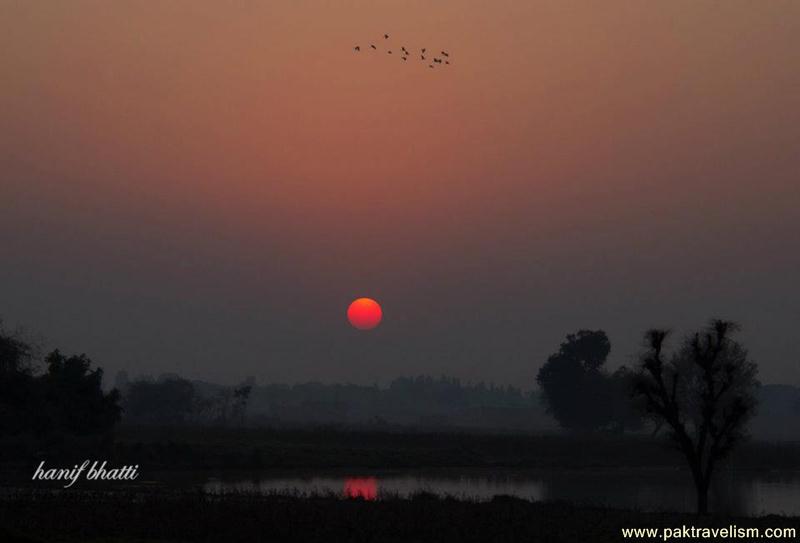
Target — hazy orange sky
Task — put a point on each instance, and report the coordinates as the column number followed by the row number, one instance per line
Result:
column 203, row 187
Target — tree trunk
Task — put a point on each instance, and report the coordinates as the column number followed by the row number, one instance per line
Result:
column 701, row 486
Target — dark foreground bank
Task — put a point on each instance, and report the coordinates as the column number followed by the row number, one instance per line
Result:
column 192, row 516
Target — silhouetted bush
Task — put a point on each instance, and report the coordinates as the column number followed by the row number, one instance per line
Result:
column 48, row 412
column 579, row 393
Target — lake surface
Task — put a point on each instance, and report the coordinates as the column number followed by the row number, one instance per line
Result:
column 740, row 492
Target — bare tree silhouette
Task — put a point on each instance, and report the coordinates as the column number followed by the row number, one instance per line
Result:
column 704, row 392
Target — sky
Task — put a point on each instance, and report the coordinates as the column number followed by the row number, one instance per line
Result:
column 202, row 187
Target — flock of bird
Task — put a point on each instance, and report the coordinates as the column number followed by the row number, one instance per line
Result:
column 405, row 54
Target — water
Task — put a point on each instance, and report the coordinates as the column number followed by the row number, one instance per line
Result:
column 738, row 493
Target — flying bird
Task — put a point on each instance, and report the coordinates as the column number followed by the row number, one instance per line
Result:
column 406, row 53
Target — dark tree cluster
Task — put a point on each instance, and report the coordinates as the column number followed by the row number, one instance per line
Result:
column 704, row 392
column 74, row 401
column 66, row 399
column 17, row 387
column 578, row 391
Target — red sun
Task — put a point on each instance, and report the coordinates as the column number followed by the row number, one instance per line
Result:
column 364, row 313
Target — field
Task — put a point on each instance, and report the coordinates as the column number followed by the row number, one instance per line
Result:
column 172, row 517
column 243, row 448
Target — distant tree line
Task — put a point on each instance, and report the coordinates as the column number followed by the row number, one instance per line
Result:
column 451, row 391
column 173, row 400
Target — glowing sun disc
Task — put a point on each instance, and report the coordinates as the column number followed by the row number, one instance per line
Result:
column 364, row 313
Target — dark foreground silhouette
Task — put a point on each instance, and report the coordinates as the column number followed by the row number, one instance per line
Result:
column 192, row 516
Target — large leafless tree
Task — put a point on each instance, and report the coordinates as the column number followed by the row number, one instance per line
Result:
column 704, row 392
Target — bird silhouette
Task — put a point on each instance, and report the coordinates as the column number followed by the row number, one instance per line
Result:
column 405, row 54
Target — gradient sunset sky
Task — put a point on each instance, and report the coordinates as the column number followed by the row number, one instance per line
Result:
column 202, row 187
